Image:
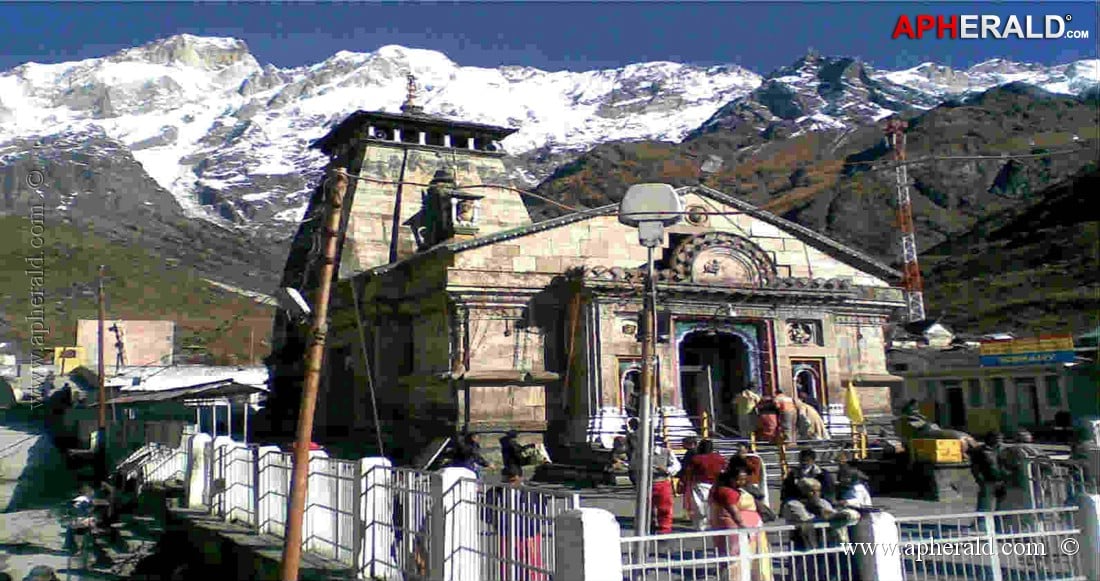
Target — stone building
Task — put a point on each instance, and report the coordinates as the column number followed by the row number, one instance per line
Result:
column 946, row 374
column 470, row 316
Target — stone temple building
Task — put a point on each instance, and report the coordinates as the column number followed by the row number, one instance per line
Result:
column 465, row 314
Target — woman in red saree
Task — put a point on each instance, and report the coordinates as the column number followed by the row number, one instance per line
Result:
column 731, row 507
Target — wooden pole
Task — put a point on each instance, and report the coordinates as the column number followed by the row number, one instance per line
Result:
column 292, row 546
column 101, row 432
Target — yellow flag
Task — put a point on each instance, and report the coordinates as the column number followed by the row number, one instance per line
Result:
column 852, row 409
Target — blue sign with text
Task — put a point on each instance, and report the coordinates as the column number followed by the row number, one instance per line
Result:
column 1027, row 358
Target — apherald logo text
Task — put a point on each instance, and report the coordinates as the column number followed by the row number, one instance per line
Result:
column 986, row 26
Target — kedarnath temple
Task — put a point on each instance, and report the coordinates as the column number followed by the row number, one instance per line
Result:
column 463, row 313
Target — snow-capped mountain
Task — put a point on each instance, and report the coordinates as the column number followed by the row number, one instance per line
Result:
column 228, row 137
column 223, row 133
column 818, row 93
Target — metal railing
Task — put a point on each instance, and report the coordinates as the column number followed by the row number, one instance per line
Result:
column 273, row 487
column 165, row 464
column 397, row 505
column 813, row 551
column 1054, row 483
column 1013, row 545
column 232, row 483
column 502, row 533
column 330, row 521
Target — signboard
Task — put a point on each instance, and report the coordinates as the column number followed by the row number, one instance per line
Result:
column 1040, row 350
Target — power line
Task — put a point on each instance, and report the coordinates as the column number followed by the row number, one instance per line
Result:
column 989, row 157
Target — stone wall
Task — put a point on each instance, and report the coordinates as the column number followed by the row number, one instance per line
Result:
column 371, row 218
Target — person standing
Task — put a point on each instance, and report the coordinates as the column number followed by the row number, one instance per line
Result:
column 788, row 415
column 467, row 454
column 1017, row 460
column 744, row 404
column 985, row 465
column 767, row 421
column 700, row 474
column 512, row 452
column 732, row 507
column 810, row 422
column 690, row 445
column 520, row 536
column 664, row 467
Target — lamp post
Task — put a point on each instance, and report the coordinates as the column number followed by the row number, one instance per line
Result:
column 649, row 207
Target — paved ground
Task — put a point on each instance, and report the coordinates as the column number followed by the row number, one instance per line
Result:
column 38, row 537
column 619, row 500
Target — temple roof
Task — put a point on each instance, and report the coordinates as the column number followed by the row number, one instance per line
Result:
column 355, row 125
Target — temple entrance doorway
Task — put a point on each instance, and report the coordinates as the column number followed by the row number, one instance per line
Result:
column 714, row 367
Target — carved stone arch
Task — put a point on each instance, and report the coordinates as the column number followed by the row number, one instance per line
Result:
column 722, row 258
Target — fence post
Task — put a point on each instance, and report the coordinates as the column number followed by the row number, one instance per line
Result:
column 264, row 456
column 220, row 485
column 1090, row 535
column 456, row 508
column 436, row 529
column 197, row 468
column 990, row 523
column 375, row 503
column 317, row 527
column 587, row 546
column 878, row 529
column 255, row 451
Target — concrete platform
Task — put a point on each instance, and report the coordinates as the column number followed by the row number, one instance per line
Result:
column 237, row 552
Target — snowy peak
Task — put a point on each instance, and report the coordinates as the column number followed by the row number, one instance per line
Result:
column 229, row 138
column 814, row 93
column 943, row 82
column 818, row 92
column 206, row 53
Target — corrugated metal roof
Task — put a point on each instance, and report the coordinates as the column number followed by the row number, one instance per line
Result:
column 217, row 389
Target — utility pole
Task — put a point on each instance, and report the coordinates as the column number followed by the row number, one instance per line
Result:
column 101, row 432
column 292, row 545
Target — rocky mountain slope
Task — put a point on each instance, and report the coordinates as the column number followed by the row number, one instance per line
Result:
column 837, row 181
column 985, row 280
column 191, row 147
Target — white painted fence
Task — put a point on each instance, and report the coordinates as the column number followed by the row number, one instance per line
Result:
column 381, row 521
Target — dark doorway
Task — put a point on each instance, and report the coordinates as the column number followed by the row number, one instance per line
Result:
column 1028, row 398
column 632, row 391
column 725, row 358
column 956, row 408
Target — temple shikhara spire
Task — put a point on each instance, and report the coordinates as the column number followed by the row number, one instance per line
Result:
column 409, row 107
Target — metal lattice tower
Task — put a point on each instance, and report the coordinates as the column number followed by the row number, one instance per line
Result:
column 911, row 279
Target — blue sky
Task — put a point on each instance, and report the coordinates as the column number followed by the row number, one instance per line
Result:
column 549, row 35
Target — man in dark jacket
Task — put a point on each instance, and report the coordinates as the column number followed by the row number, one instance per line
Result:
column 808, row 468
column 985, row 464
column 467, row 454
column 512, row 452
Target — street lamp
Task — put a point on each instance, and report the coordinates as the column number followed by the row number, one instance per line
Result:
column 648, row 207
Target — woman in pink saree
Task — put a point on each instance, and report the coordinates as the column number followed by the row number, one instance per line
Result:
column 731, row 507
